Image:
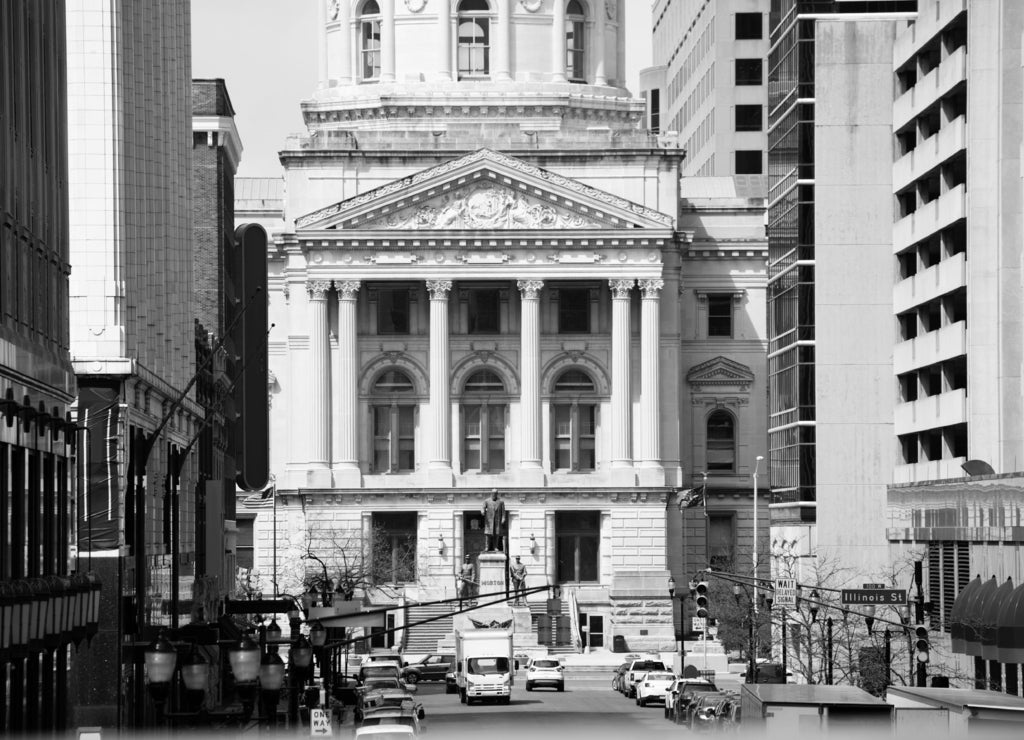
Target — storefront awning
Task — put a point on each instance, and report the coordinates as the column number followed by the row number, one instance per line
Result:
column 990, row 620
column 972, row 618
column 964, row 603
column 1010, row 639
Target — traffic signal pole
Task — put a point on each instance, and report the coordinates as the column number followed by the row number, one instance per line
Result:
column 922, row 665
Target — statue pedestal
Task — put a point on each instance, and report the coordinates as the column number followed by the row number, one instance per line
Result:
column 492, row 567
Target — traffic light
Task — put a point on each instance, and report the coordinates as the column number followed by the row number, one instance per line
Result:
column 702, row 599
column 921, row 643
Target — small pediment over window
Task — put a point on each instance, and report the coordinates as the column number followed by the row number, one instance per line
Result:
column 720, row 373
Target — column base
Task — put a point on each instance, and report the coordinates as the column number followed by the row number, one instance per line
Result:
column 318, row 478
column 440, row 476
column 623, row 476
column 530, row 476
column 651, row 474
column 348, row 477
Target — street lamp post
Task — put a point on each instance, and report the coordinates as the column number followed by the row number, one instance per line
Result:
column 160, row 659
column 757, row 464
column 244, row 658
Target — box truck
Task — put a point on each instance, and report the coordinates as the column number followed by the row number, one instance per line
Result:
column 484, row 668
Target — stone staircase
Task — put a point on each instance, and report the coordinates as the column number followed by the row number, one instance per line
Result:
column 539, row 608
column 424, row 638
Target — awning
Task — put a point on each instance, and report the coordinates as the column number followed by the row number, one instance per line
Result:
column 964, row 603
column 990, row 620
column 972, row 619
column 1010, row 639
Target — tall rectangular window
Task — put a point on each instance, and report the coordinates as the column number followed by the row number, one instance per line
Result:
column 370, row 49
column 484, row 437
column 578, row 545
column 393, row 311
column 574, row 437
column 574, row 62
column 749, row 72
column 749, row 26
column 484, row 311
column 720, row 315
column 245, row 548
column 655, row 110
column 394, row 434
column 574, row 310
column 749, row 118
column 474, row 47
column 722, row 535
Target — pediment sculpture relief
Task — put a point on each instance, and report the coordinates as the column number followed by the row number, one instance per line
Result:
column 483, row 206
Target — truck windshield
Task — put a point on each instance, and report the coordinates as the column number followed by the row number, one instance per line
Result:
column 487, row 665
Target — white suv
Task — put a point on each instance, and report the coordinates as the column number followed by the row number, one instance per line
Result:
column 636, row 671
column 544, row 672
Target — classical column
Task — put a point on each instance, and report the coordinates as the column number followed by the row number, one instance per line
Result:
column 502, row 41
column 621, row 455
column 321, row 43
column 444, row 39
column 650, row 442
column 387, row 41
column 600, row 77
column 558, row 42
column 439, row 429
column 348, row 385
column 529, row 400
column 550, row 548
column 319, row 376
column 344, row 42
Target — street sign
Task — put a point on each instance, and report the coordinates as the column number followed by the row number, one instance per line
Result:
column 785, row 593
column 890, row 596
column 874, row 585
column 320, row 723
column 699, row 624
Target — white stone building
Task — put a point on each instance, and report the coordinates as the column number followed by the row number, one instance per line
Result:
column 479, row 287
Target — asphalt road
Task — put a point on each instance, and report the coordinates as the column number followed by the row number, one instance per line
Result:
column 584, row 710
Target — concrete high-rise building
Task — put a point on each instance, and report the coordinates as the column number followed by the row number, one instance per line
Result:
column 132, row 331
column 831, row 394
column 958, row 494
column 709, row 83
column 479, row 288
column 37, row 384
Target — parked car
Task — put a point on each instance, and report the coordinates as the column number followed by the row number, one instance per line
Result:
column 385, row 732
column 430, row 668
column 544, row 672
column 686, row 701
column 676, row 690
column 617, row 677
column 712, row 713
column 652, row 687
column 637, row 669
column 379, row 668
column 451, row 686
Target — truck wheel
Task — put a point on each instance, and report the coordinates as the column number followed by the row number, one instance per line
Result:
column 506, row 700
column 561, row 687
column 462, row 696
column 642, row 701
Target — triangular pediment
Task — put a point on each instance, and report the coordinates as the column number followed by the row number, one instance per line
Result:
column 485, row 190
column 720, row 371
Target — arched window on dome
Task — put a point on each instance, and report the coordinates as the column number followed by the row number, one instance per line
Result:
column 394, row 423
column 721, row 442
column 484, row 422
column 474, row 34
column 574, row 422
column 369, row 41
column 575, row 26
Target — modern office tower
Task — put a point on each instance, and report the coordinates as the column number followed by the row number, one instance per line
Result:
column 37, row 384
column 831, row 332
column 709, row 83
column 958, row 493
column 132, row 332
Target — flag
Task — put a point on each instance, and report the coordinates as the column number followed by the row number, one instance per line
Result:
column 691, row 497
column 263, row 499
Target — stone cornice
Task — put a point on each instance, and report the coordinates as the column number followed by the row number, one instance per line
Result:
column 225, row 126
column 470, row 498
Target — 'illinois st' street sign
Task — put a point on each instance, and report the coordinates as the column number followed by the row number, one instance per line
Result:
column 891, row 596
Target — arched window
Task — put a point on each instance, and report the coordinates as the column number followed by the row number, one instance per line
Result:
column 474, row 39
column 575, row 24
column 394, row 423
column 721, row 443
column 369, row 40
column 573, row 422
column 484, row 418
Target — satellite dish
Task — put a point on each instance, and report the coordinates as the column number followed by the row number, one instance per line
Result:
column 977, row 467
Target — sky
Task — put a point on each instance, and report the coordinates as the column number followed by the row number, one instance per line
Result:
column 266, row 53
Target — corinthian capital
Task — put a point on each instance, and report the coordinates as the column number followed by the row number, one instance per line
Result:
column 621, row 288
column 530, row 289
column 317, row 289
column 439, row 289
column 651, row 288
column 347, row 289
